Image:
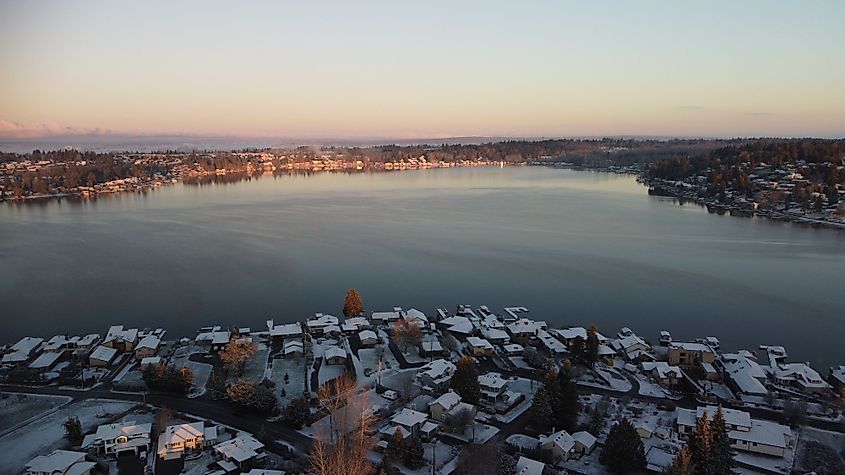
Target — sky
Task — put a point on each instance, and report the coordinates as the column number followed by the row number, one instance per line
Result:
column 422, row 69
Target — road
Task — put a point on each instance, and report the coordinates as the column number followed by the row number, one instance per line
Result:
column 207, row 409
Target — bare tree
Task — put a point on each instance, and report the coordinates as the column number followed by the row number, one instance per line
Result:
column 236, row 354
column 406, row 332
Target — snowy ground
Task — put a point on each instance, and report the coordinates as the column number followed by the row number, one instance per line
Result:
column 833, row 440
column 650, row 388
column 254, row 367
column 295, row 385
column 519, row 362
column 45, row 434
column 479, row 433
column 202, row 371
column 18, row 408
column 606, row 378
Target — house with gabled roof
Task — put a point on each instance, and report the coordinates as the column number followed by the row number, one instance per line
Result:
column 435, row 375
column 60, row 462
column 184, row 439
column 119, row 438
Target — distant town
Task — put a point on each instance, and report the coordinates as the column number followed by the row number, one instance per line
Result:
column 474, row 390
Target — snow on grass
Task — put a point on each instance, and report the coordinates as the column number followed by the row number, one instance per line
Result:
column 46, row 434
column 18, row 408
column 479, row 433
column 202, row 371
column 649, row 388
column 254, row 367
column 296, row 382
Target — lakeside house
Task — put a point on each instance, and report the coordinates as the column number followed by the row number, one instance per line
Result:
column 102, row 356
column 746, row 434
column 662, row 372
column 122, row 340
column 147, row 347
column 690, row 354
column 284, row 332
column 22, row 350
column 479, row 346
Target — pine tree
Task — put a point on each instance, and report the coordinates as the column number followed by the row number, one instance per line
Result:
column 682, row 463
column 541, row 409
column 465, row 380
column 576, row 349
column 699, row 446
column 592, row 345
column 396, row 447
column 352, row 304
column 720, row 459
column 566, row 411
column 623, row 451
column 414, row 454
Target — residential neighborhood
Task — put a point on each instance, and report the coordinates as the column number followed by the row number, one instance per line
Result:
column 427, row 390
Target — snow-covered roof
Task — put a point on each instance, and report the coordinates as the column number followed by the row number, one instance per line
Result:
column 367, row 335
column 110, row 432
column 523, row 326
column 495, row 334
column 522, row 441
column 438, row 370
column 551, row 343
column 585, row 438
column 286, row 330
column 663, row 369
column 764, row 433
column 802, row 374
column 513, row 348
column 149, row 341
column 180, row 433
column 690, row 346
column 733, row 417
column 476, row 342
column 60, row 462
column 561, row 439
column 527, row 466
column 322, row 320
column 492, row 381
column 21, row 350
column 104, row 353
column 838, row 374
column 408, row 418
column 447, row 400
column 150, row 360
column 414, row 313
column 240, row 449
column 118, row 333
column 385, row 316
column 458, row 324
column 335, row 352
column 45, row 360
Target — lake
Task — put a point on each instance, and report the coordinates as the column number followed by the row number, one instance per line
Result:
column 575, row 247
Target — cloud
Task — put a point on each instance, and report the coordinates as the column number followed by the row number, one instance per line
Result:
column 16, row 130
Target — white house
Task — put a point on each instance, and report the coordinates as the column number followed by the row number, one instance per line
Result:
column 408, row 419
column 60, row 462
column 523, row 328
column 663, row 372
column 584, row 442
column 121, row 339
column 241, row 450
column 745, row 374
column 322, row 323
column 801, row 376
column 449, row 405
column 292, row 348
column 147, row 347
column 102, row 356
column 119, row 439
column 181, row 439
column 561, row 445
column 286, row 331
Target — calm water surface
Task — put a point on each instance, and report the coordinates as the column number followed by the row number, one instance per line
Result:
column 574, row 247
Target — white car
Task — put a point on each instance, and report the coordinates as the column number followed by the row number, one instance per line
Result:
column 390, row 395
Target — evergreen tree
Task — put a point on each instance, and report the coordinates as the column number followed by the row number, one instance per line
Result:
column 395, row 448
column 576, row 349
column 592, row 345
column 352, row 304
column 413, row 458
column 73, row 430
column 682, row 463
column 507, row 464
column 465, row 380
column 699, row 446
column 541, row 409
column 623, row 451
column 720, row 459
column 566, row 409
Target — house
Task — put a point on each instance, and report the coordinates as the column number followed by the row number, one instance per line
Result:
column 292, row 348
column 435, row 375
column 322, row 324
column 836, row 378
column 367, row 338
column 569, row 335
column 479, row 346
column 409, row 420
column 147, row 347
column 527, row 466
column 552, row 345
column 382, row 318
column 458, row 325
column 662, row 372
column 745, row 433
column 46, row 361
column 513, row 349
column 493, row 386
column 61, row 343
column 354, row 325
column 632, row 346
column 181, row 439
column 22, row 350
column 120, row 438
column 523, row 329
column 60, row 462
column 449, row 405
column 285, row 332
column 744, row 374
column 689, row 354
column 430, row 346
column 150, row 361
column 496, row 335
column 560, row 445
column 335, row 356
column 123, row 340
column 584, row 442
column 102, row 356
column 241, row 451
column 215, row 338
column 802, row 376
